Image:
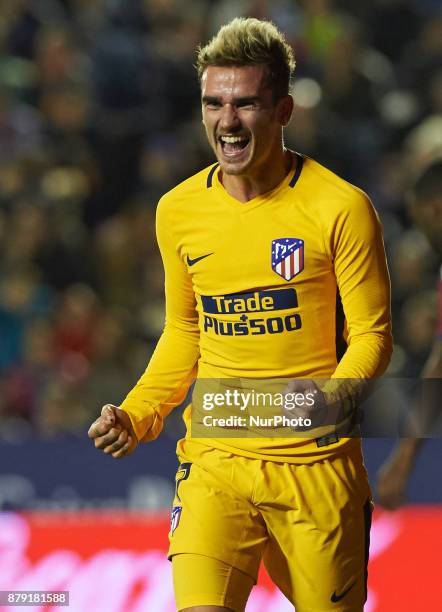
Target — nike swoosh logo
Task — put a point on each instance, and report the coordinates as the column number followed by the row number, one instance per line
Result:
column 192, row 262
column 335, row 598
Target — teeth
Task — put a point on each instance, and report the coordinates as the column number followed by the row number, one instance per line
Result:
column 233, row 139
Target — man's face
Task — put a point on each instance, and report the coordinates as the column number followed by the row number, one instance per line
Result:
column 242, row 120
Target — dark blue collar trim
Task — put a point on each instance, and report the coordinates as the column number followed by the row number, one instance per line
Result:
column 297, row 171
column 300, row 161
column 210, row 175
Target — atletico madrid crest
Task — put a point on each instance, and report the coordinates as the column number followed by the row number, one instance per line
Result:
column 288, row 257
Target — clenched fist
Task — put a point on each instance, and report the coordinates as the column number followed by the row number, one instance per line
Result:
column 113, row 433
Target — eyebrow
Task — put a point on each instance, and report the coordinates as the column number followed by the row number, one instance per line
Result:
column 236, row 101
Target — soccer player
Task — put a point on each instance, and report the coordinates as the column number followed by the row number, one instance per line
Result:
column 425, row 202
column 255, row 248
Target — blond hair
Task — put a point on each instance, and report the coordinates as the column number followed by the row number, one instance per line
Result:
column 246, row 41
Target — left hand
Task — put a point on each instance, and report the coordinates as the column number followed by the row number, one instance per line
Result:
column 311, row 404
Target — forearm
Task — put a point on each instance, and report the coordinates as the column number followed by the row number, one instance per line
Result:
column 407, row 449
column 165, row 382
column 366, row 357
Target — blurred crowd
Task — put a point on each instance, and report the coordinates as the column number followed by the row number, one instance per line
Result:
column 99, row 115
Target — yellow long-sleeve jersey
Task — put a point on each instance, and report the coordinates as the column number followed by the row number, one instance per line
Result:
column 251, row 293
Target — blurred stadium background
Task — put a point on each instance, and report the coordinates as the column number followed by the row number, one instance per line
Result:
column 99, row 115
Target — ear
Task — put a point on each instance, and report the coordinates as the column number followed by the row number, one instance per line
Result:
column 285, row 109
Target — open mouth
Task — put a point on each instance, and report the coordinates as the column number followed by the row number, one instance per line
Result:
column 233, row 145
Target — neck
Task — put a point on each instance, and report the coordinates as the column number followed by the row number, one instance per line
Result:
column 246, row 187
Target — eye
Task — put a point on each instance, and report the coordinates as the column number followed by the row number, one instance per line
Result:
column 247, row 105
column 212, row 105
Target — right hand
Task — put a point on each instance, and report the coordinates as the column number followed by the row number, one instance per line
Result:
column 113, row 433
column 394, row 474
column 391, row 484
column 392, row 479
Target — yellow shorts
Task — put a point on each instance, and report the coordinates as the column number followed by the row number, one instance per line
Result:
column 309, row 523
